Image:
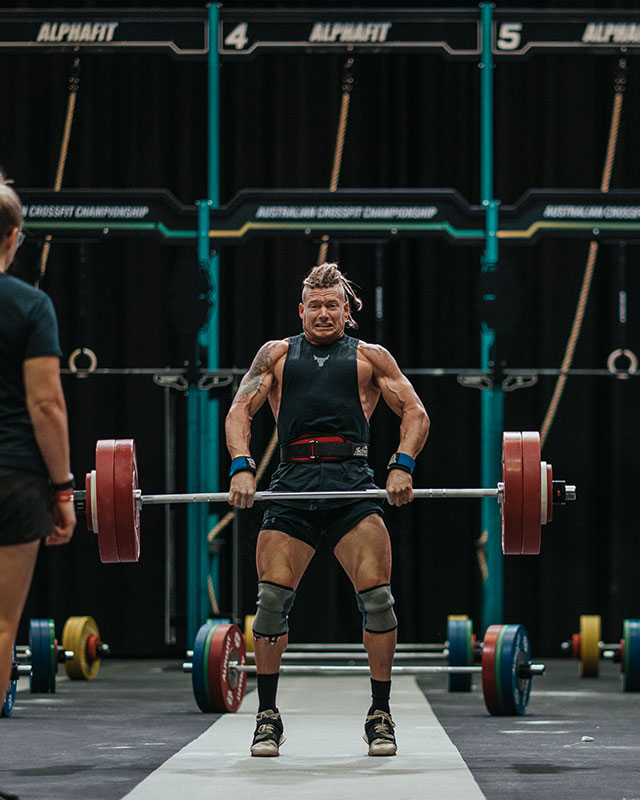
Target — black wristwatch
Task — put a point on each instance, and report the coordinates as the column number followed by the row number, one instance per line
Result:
column 68, row 484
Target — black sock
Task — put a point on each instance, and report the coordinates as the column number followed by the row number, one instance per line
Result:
column 380, row 691
column 267, row 688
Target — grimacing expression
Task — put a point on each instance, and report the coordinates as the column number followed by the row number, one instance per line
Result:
column 323, row 313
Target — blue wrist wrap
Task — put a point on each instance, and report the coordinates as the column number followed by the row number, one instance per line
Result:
column 241, row 464
column 401, row 461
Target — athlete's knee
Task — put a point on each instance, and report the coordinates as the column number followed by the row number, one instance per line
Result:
column 376, row 605
column 272, row 615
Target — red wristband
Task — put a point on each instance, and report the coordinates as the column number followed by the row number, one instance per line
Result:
column 64, row 497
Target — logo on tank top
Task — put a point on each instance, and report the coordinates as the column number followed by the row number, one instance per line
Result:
column 320, row 361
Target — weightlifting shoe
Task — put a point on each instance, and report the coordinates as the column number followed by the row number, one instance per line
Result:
column 268, row 735
column 379, row 735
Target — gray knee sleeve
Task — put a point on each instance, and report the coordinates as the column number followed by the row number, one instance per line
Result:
column 274, row 605
column 376, row 606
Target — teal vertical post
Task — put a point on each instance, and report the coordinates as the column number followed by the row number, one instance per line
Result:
column 213, row 155
column 203, row 413
column 201, row 466
column 194, row 537
column 492, row 400
column 210, row 337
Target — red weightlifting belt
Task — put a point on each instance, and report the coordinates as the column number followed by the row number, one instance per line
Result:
column 322, row 448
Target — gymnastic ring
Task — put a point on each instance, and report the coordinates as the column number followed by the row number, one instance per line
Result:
column 620, row 353
column 82, row 372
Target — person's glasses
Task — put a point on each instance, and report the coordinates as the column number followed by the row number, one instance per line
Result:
column 21, row 237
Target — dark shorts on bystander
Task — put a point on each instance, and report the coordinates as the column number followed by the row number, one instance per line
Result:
column 25, row 507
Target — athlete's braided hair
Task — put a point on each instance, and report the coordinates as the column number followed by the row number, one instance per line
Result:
column 325, row 276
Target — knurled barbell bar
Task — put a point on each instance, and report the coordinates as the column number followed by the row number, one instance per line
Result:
column 113, row 501
column 588, row 648
column 219, row 669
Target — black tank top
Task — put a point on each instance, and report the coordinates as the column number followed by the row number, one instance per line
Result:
column 320, row 391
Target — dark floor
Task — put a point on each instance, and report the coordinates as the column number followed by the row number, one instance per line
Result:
column 579, row 739
column 96, row 740
column 99, row 739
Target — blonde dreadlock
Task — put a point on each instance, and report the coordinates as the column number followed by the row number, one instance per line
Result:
column 327, row 275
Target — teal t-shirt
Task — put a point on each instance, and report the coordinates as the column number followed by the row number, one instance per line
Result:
column 28, row 329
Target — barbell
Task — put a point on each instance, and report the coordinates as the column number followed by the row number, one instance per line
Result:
column 80, row 653
column 113, row 501
column 459, row 649
column 588, row 648
column 219, row 669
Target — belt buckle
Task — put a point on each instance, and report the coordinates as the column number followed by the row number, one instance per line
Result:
column 312, row 449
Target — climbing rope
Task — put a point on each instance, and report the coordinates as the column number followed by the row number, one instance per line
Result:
column 619, row 87
column 74, row 85
column 347, row 89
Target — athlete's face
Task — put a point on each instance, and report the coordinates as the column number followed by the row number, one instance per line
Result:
column 323, row 313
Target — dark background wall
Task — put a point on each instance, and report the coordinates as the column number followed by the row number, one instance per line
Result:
column 414, row 122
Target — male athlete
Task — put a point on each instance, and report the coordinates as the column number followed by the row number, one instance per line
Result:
column 323, row 387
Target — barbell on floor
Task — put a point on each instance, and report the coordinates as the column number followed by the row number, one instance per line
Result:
column 113, row 502
column 588, row 648
column 219, row 669
column 80, row 653
column 460, row 649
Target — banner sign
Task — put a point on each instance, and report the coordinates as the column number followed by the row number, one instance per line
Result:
column 345, row 215
column 181, row 33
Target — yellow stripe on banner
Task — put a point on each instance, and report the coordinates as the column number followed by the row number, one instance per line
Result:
column 583, row 226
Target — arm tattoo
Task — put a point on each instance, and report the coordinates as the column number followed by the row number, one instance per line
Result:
column 253, row 381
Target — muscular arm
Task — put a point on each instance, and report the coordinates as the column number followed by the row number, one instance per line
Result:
column 401, row 397
column 48, row 413
column 254, row 389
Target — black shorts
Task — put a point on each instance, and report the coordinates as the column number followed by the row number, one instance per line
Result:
column 312, row 526
column 311, row 521
column 26, row 507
